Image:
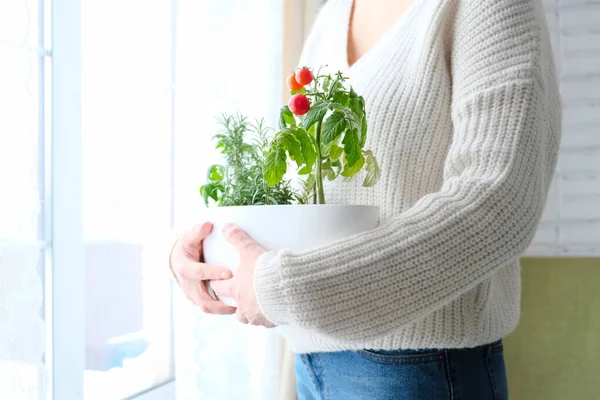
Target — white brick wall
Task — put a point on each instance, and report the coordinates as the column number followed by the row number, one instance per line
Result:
column 571, row 222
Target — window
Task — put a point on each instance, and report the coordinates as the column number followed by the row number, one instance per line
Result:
column 126, row 194
column 85, row 158
column 91, row 123
column 23, row 239
column 231, row 62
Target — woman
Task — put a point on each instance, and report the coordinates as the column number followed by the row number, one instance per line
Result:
column 464, row 117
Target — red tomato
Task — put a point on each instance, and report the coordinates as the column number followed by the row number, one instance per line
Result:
column 299, row 104
column 304, row 76
column 293, row 83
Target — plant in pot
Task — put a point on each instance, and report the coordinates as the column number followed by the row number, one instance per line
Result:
column 322, row 133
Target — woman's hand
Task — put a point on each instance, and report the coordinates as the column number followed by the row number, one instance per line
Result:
column 241, row 287
column 192, row 274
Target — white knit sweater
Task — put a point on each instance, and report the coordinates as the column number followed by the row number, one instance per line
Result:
column 464, row 117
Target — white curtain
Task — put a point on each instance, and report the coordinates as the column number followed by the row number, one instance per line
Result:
column 228, row 59
column 22, row 329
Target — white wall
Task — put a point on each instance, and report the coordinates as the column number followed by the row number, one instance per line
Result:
column 571, row 224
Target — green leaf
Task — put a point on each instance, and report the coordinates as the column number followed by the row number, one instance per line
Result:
column 210, row 190
column 287, row 117
column 215, row 191
column 326, row 83
column 353, row 94
column 341, row 98
column 315, row 114
column 275, row 166
column 215, row 173
column 305, row 170
column 282, row 124
column 327, row 171
column 335, row 152
column 352, row 148
column 286, row 139
column 363, row 133
column 204, row 194
column 303, row 91
column 350, row 171
column 357, row 107
column 326, row 150
column 373, row 170
column 333, row 127
column 336, row 86
column 337, row 164
column 308, row 184
column 308, row 145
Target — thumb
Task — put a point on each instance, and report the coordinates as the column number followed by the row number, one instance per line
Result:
column 239, row 239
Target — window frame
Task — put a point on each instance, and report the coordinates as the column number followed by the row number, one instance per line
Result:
column 65, row 354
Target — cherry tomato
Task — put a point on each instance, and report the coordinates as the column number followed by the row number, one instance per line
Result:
column 293, row 83
column 304, row 76
column 299, row 104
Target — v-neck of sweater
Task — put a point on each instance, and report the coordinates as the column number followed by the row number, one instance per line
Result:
column 389, row 36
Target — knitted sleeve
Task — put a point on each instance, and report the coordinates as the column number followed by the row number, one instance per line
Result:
column 484, row 215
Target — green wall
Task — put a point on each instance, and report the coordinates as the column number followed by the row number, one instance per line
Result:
column 555, row 352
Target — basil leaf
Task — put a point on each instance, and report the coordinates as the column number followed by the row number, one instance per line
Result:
column 215, row 173
column 333, row 127
column 204, row 193
column 214, row 191
column 210, row 190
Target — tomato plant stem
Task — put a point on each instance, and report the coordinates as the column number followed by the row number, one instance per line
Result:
column 318, row 173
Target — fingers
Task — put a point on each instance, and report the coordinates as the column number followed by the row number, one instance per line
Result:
column 198, row 294
column 225, row 288
column 196, row 271
column 239, row 239
column 191, row 241
column 217, row 307
column 241, row 318
column 192, row 291
column 256, row 320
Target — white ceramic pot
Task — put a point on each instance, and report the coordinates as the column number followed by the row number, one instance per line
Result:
column 200, row 338
column 291, row 227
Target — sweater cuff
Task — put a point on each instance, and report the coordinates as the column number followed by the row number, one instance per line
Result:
column 269, row 289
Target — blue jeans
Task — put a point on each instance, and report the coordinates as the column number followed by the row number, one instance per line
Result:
column 452, row 374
